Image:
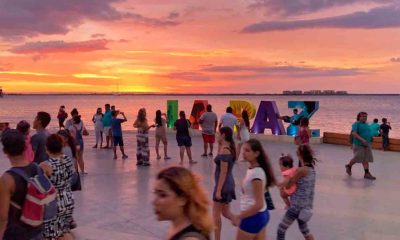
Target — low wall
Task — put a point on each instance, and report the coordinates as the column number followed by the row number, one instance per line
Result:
column 273, row 138
column 343, row 139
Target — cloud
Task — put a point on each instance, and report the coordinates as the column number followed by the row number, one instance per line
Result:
column 394, row 59
column 29, row 18
column 286, row 71
column 376, row 18
column 98, row 35
column 188, row 76
column 296, row 7
column 93, row 76
column 61, row 46
column 5, row 67
column 173, row 15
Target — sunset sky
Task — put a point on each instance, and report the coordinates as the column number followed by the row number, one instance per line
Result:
column 202, row 46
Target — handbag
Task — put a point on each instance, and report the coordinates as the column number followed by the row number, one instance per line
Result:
column 268, row 200
column 85, row 132
column 76, row 182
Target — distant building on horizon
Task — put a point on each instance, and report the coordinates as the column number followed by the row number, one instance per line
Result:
column 314, row 92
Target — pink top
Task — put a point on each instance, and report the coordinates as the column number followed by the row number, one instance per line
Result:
column 289, row 173
column 29, row 151
column 303, row 134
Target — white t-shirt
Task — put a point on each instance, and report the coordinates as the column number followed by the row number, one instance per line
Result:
column 247, row 200
column 228, row 120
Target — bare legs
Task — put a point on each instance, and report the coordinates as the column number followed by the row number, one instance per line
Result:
column 218, row 210
column 188, row 152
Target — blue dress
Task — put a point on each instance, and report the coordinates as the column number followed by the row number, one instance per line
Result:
column 228, row 188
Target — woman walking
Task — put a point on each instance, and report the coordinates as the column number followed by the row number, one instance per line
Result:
column 180, row 199
column 161, row 133
column 303, row 198
column 224, row 189
column 254, row 216
column 98, row 127
column 142, row 138
column 59, row 168
column 244, row 132
column 78, row 130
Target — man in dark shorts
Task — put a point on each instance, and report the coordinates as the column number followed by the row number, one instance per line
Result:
column 362, row 138
column 209, row 122
column 183, row 137
column 116, row 129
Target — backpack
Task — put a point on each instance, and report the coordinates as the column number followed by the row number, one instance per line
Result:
column 41, row 198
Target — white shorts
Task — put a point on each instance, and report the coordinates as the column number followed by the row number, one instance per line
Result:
column 107, row 131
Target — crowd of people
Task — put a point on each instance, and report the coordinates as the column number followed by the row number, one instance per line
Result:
column 179, row 197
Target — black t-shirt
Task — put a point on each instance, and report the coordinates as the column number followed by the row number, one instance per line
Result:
column 189, row 231
column 182, row 127
column 385, row 128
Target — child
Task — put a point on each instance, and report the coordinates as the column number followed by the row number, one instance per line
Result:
column 61, row 116
column 117, row 133
column 288, row 171
column 384, row 130
column 24, row 128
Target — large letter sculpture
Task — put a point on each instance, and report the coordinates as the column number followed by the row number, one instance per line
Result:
column 308, row 108
column 239, row 105
column 199, row 107
column 267, row 118
column 172, row 112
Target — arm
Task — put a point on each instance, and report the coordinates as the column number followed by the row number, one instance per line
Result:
column 309, row 132
column 135, row 124
column 259, row 200
column 222, row 176
column 356, row 135
column 123, row 115
column 301, row 172
column 201, row 119
column 47, row 169
column 7, row 185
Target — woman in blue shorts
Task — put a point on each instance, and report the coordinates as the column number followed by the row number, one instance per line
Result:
column 254, row 216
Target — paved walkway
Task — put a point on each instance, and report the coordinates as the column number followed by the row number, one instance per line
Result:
column 116, row 201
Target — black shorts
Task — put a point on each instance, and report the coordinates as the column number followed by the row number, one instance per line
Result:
column 184, row 141
column 118, row 141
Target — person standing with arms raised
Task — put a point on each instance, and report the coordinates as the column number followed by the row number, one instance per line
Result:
column 362, row 138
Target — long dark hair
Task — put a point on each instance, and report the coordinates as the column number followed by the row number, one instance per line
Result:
column 71, row 142
column 158, row 118
column 263, row 161
column 245, row 117
column 228, row 133
column 307, row 154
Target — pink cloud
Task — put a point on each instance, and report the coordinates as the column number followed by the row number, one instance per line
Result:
column 61, row 46
column 28, row 18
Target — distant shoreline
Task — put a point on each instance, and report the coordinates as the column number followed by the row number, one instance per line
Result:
column 198, row 94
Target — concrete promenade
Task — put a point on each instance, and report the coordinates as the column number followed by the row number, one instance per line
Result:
column 116, row 200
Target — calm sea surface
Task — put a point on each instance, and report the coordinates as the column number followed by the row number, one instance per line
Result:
column 336, row 113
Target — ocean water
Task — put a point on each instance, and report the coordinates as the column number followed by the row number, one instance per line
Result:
column 336, row 113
